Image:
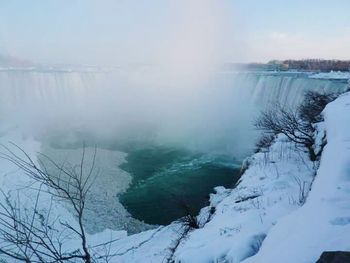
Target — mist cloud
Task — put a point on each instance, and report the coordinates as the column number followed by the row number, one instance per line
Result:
column 171, row 94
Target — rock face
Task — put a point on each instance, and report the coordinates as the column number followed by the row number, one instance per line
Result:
column 334, row 257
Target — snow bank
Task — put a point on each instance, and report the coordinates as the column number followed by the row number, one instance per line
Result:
column 270, row 216
column 265, row 218
column 331, row 75
column 323, row 223
column 268, row 190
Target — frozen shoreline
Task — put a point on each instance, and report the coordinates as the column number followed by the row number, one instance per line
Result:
column 265, row 208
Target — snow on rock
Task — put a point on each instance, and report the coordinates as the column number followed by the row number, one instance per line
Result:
column 265, row 217
column 238, row 220
column 268, row 190
column 323, row 222
column 150, row 246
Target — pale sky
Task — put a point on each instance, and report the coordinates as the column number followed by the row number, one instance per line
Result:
column 113, row 32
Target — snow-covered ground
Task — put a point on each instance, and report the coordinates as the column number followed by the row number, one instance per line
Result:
column 323, row 223
column 270, row 216
column 22, row 191
column 331, row 75
column 239, row 219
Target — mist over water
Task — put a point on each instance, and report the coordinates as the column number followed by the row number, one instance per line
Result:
column 139, row 105
column 162, row 84
column 160, row 99
column 174, row 138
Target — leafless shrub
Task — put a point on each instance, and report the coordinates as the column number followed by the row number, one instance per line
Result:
column 285, row 120
column 256, row 202
column 190, row 220
column 295, row 124
column 264, row 142
column 187, row 224
column 312, row 106
column 302, row 190
column 33, row 236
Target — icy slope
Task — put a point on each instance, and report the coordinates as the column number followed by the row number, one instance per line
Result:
column 238, row 220
column 264, row 219
column 267, row 207
column 323, row 223
column 268, row 190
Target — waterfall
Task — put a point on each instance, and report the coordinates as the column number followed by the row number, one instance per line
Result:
column 215, row 119
column 262, row 89
column 23, row 88
column 217, row 116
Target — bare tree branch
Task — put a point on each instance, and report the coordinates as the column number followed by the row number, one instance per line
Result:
column 33, row 236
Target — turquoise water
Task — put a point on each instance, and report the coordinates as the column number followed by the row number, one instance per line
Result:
column 165, row 177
